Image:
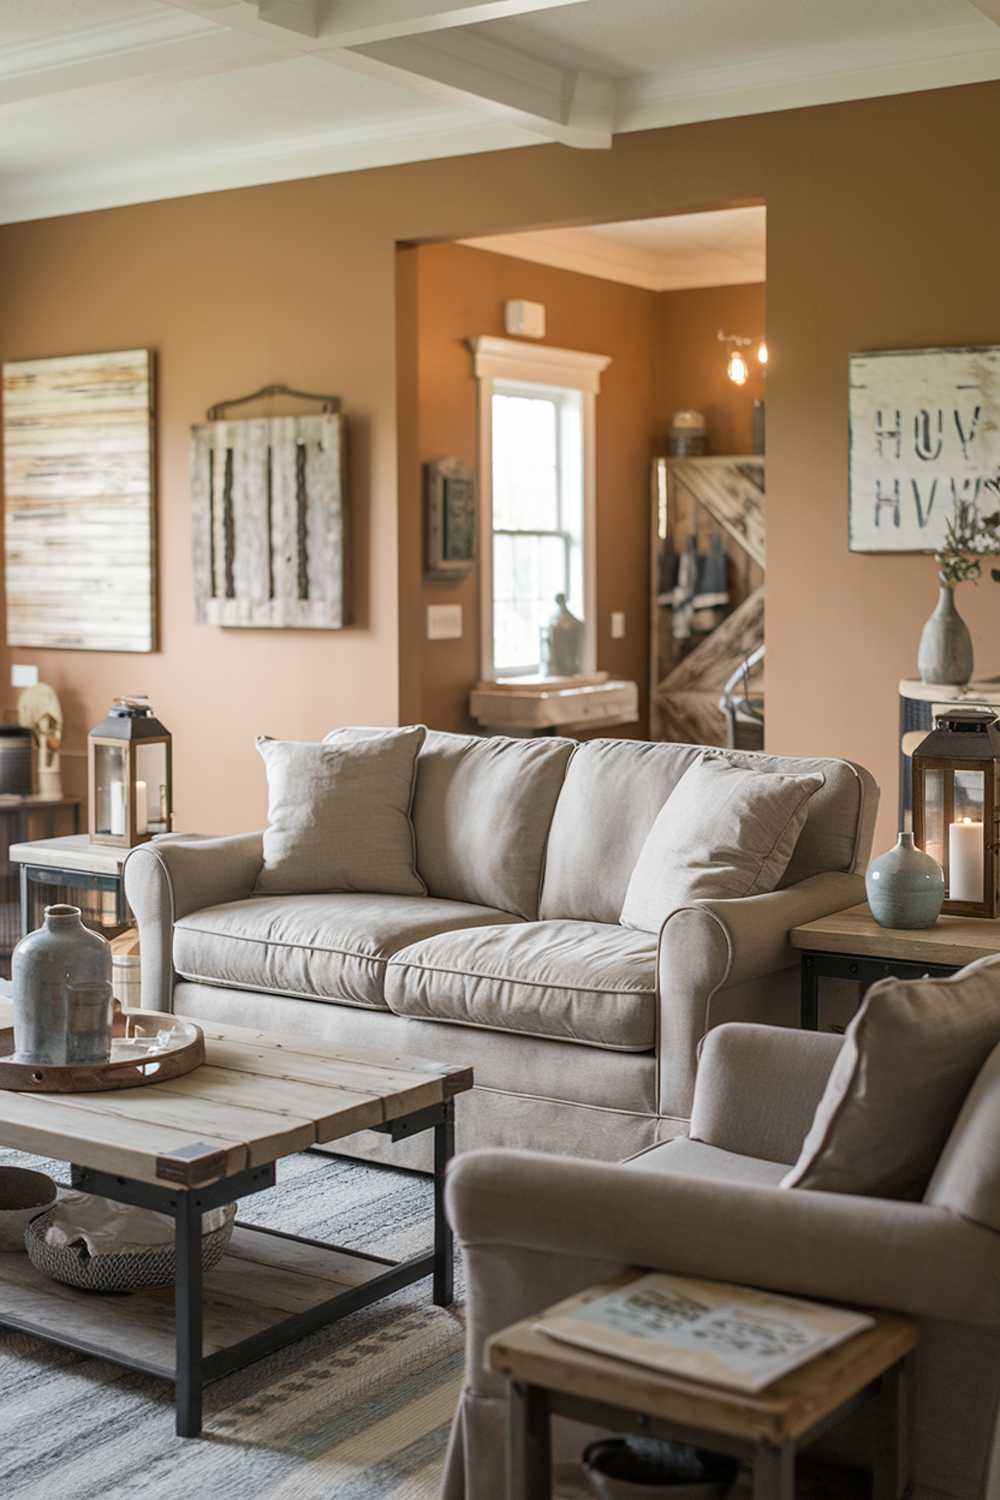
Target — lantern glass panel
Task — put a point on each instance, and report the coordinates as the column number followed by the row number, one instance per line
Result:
column 965, row 838
column 152, row 797
column 111, row 790
column 934, row 822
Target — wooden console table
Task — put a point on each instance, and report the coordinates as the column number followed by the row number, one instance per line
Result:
column 851, row 945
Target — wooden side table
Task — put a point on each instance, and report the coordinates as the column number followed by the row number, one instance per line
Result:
column 767, row 1429
column 74, row 870
column 851, row 945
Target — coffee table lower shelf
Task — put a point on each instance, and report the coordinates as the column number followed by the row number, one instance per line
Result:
column 269, row 1290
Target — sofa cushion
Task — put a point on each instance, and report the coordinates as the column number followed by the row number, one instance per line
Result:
column 614, row 789
column 339, row 815
column 482, row 812
column 587, row 982
column 683, row 1158
column 724, row 832
column 316, row 947
column 910, row 1057
column 966, row 1179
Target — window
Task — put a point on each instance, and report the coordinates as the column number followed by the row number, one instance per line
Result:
column 537, row 492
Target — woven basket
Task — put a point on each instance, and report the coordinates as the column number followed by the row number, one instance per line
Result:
column 125, row 1272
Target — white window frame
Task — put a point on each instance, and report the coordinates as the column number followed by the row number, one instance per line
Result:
column 500, row 361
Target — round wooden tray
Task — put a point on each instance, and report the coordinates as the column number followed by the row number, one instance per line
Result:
column 148, row 1047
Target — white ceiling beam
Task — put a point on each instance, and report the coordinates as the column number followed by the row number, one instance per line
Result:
column 557, row 104
column 355, row 23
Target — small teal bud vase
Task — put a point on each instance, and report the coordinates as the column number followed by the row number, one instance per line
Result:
column 905, row 887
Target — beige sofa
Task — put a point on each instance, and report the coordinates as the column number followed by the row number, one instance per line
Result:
column 583, row 1034
column 535, row 1228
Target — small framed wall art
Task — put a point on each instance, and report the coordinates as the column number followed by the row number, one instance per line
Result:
column 924, row 436
column 449, row 519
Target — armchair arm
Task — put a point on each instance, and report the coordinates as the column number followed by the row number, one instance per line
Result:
column 758, row 1087
column 909, row 1257
column 168, row 878
column 713, row 956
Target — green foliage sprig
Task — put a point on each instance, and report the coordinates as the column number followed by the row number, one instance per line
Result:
column 968, row 538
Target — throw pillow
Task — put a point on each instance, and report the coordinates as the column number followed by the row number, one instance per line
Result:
column 723, row 832
column 910, row 1057
column 339, row 815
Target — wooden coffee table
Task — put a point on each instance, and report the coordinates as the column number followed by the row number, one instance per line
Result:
column 191, row 1144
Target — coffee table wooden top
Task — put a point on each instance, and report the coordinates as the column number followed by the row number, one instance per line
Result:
column 258, row 1097
column 789, row 1408
column 952, row 940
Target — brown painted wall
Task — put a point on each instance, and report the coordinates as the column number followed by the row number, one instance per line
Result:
column 883, row 218
column 691, row 363
column 461, row 292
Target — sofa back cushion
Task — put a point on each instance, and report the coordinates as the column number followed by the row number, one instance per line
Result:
column 482, row 813
column 966, row 1179
column 614, row 790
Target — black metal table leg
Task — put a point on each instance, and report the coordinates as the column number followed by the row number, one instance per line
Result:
column 444, row 1240
column 889, row 1476
column 25, row 929
column 188, row 1314
column 774, row 1472
column 529, row 1450
column 809, row 1001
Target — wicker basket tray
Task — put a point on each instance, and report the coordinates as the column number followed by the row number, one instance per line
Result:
column 128, row 1271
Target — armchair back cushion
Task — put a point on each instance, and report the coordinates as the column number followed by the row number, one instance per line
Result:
column 613, row 792
column 966, row 1179
column 339, row 815
column 910, row 1058
column 482, row 813
column 724, row 832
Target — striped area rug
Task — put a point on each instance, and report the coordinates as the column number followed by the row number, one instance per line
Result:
column 359, row 1411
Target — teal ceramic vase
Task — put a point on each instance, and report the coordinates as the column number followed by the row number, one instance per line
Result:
column 905, row 887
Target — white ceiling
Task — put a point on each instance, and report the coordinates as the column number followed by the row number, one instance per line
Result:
column 105, row 102
column 724, row 248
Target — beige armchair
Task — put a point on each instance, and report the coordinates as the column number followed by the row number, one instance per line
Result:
column 534, row 1229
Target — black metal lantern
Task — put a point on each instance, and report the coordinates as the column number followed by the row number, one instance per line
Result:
column 956, row 819
column 130, row 775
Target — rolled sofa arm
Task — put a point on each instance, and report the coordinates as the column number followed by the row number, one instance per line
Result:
column 713, row 956
column 171, row 876
column 870, row 1251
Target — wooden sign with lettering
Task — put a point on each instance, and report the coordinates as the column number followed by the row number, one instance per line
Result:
column 925, row 435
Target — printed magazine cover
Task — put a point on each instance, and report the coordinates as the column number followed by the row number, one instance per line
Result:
column 704, row 1330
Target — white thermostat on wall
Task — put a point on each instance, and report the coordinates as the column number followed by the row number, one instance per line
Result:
column 525, row 318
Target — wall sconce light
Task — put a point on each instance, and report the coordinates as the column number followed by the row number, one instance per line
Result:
column 737, row 365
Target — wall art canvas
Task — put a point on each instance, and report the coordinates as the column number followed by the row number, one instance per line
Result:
column 925, row 435
column 270, row 518
column 79, row 511
column 449, row 519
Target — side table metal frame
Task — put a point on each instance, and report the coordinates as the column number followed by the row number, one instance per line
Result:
column 185, row 1204
column 865, row 970
column 531, row 1408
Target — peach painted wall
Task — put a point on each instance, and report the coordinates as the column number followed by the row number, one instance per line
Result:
column 461, row 292
column 691, row 363
column 883, row 218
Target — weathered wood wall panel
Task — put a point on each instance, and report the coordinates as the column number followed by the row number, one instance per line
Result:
column 270, row 522
column 79, row 517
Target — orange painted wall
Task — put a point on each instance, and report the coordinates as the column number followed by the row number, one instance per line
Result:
column 883, row 221
column 691, row 363
column 461, row 293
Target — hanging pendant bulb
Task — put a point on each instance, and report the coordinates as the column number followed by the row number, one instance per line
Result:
column 762, row 352
column 737, row 369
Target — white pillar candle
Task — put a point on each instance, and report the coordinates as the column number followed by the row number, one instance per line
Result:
column 141, row 807
column 116, row 802
column 965, row 861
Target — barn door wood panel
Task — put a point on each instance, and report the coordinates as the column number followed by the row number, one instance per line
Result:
column 270, row 522
column 79, row 516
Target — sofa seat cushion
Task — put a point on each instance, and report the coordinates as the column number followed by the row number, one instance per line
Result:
column 684, row 1158
column 588, row 982
column 331, row 948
